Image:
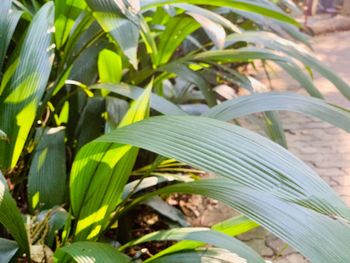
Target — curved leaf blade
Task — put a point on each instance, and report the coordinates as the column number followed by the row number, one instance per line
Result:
column 276, row 101
column 8, row 22
column 92, row 199
column 176, row 31
column 233, row 226
column 205, row 235
column 319, row 237
column 157, row 102
column 89, row 252
column 275, row 42
column 255, row 164
column 241, row 5
column 242, row 149
column 66, row 13
column 20, row 98
column 11, row 218
column 8, row 249
column 122, row 24
column 47, row 173
column 208, row 255
column 109, row 66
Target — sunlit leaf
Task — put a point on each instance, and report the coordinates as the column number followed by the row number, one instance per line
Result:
column 66, row 13
column 92, row 199
column 20, row 98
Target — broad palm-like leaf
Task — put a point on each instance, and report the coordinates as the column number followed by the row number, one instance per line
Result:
column 232, row 227
column 182, row 47
column 246, row 6
column 275, row 42
column 66, row 12
column 20, row 98
column 83, row 252
column 207, row 255
column 271, row 185
column 120, row 20
column 275, row 101
column 11, row 218
column 8, row 22
column 92, row 199
column 8, row 249
column 47, row 174
column 203, row 235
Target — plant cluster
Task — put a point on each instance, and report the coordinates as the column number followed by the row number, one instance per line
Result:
column 86, row 83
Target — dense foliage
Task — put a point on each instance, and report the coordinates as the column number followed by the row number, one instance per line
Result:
column 71, row 168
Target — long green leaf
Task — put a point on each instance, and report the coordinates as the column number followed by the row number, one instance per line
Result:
column 207, row 255
column 210, row 15
column 90, row 121
column 182, row 71
column 8, row 249
column 318, row 237
column 247, row 153
column 66, row 13
column 275, row 101
column 99, row 174
column 116, row 109
column 47, row 174
column 89, row 252
column 236, row 55
column 304, row 80
column 11, row 218
column 249, row 54
column 241, row 5
column 158, row 103
column 274, row 128
column 275, row 42
column 122, row 24
column 215, row 31
column 8, row 21
column 233, row 226
column 175, row 33
column 203, row 235
column 260, row 167
column 20, row 98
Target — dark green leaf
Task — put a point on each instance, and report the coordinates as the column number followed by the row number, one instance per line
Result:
column 47, row 174
column 11, row 218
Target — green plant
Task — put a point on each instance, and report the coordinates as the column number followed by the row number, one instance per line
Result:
column 65, row 111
